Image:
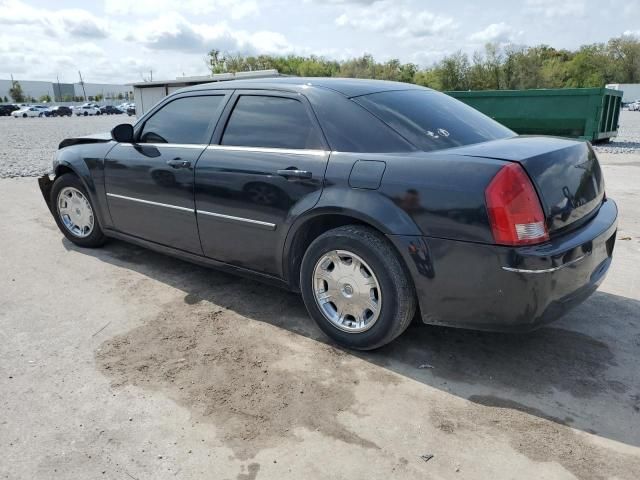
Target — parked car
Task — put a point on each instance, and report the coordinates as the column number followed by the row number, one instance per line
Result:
column 110, row 110
column 27, row 112
column 46, row 112
column 131, row 109
column 5, row 110
column 399, row 199
column 86, row 110
column 634, row 106
column 61, row 111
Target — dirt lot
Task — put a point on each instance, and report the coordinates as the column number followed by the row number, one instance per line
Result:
column 121, row 363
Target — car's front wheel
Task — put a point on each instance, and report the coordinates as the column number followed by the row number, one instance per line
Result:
column 355, row 287
column 74, row 213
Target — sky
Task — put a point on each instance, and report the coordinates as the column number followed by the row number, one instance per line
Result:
column 119, row 41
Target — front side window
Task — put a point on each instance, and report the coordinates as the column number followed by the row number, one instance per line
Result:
column 271, row 122
column 432, row 120
column 186, row 120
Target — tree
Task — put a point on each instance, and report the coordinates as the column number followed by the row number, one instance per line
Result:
column 625, row 53
column 6, row 100
column 495, row 67
column 15, row 92
column 44, row 98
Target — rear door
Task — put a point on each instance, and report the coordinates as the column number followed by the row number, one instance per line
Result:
column 266, row 165
column 149, row 183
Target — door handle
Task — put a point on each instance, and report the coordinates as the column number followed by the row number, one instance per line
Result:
column 179, row 163
column 293, row 173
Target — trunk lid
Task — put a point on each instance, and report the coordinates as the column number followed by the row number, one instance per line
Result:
column 565, row 173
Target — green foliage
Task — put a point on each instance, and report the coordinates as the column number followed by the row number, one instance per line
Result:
column 44, row 98
column 15, row 92
column 6, row 100
column 495, row 67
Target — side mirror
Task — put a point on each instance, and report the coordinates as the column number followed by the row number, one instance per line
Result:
column 122, row 133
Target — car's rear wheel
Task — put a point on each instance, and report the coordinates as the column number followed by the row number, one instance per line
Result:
column 74, row 212
column 24, row 115
column 355, row 287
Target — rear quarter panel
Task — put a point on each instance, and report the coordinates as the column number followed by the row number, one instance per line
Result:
column 442, row 194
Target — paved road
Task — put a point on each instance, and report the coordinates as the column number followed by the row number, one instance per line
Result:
column 121, row 363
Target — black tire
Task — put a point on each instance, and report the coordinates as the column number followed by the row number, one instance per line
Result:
column 97, row 237
column 85, row 114
column 398, row 295
column 24, row 115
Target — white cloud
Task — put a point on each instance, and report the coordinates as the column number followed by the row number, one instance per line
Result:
column 234, row 9
column 496, row 32
column 174, row 32
column 393, row 18
column 74, row 22
column 556, row 8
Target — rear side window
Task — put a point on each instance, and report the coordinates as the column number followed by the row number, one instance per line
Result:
column 186, row 120
column 351, row 128
column 271, row 122
column 432, row 120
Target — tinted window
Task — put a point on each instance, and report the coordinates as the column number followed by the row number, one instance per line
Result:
column 185, row 120
column 276, row 122
column 432, row 120
column 350, row 128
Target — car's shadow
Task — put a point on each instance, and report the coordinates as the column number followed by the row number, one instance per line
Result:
column 581, row 372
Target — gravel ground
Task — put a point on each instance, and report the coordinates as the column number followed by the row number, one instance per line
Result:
column 628, row 139
column 27, row 144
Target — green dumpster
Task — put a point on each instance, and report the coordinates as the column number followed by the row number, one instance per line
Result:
column 586, row 113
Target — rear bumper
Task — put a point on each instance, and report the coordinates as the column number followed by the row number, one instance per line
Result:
column 488, row 287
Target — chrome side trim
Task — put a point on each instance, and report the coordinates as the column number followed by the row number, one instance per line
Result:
column 198, row 146
column 231, row 218
column 288, row 151
column 148, row 202
column 545, row 270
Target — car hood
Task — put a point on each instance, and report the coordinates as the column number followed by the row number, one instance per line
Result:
column 93, row 138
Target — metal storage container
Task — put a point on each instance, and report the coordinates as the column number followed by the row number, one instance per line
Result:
column 586, row 113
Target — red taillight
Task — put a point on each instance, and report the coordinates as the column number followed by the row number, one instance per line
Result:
column 514, row 209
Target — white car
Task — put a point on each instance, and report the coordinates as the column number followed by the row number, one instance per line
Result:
column 86, row 110
column 635, row 106
column 27, row 112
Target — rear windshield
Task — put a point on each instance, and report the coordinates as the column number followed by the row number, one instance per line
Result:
column 432, row 120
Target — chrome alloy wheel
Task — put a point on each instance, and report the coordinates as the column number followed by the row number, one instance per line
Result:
column 75, row 212
column 347, row 291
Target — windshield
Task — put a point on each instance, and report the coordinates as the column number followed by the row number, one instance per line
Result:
column 432, row 120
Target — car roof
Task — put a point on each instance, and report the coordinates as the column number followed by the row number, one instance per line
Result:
column 349, row 87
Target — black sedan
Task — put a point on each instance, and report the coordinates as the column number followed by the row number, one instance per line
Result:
column 5, row 110
column 61, row 111
column 110, row 110
column 375, row 200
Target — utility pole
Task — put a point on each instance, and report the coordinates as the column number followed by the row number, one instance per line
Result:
column 59, row 99
column 151, row 75
column 82, row 84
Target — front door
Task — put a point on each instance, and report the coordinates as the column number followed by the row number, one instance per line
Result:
column 150, row 183
column 267, row 168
